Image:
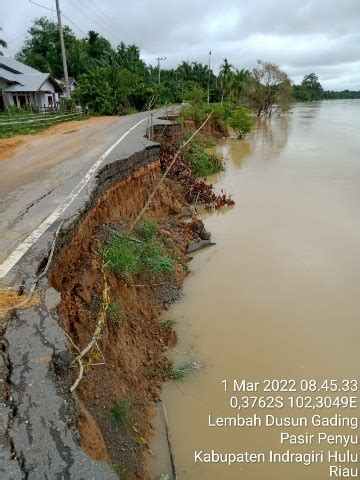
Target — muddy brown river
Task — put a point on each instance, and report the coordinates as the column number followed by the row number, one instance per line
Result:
column 278, row 297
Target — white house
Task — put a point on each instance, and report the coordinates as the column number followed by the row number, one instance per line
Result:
column 21, row 85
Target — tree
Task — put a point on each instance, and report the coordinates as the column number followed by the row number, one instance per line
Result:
column 194, row 93
column 95, row 93
column 3, row 44
column 269, row 89
column 42, row 49
column 310, row 89
column 238, row 81
column 225, row 76
column 241, row 121
column 128, row 56
column 108, row 90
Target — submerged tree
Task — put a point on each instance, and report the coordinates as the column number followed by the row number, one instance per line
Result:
column 269, row 89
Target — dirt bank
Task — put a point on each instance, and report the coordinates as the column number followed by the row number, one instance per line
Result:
column 133, row 345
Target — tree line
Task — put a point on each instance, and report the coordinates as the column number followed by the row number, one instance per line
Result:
column 310, row 89
column 116, row 80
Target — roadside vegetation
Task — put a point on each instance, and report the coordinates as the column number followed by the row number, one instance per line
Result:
column 27, row 121
column 114, row 81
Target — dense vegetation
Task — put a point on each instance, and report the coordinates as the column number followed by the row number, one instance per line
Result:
column 114, row 80
column 311, row 89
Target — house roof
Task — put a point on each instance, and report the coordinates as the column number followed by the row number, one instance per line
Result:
column 28, row 83
column 9, row 63
column 8, row 76
column 22, row 78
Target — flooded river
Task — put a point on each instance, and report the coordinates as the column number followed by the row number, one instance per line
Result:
column 279, row 294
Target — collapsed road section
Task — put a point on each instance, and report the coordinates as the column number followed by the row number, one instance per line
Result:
column 83, row 350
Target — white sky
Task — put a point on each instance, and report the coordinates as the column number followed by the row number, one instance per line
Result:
column 321, row 36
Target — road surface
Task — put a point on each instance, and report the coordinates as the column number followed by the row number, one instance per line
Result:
column 39, row 178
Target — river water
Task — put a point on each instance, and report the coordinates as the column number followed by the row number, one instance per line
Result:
column 279, row 294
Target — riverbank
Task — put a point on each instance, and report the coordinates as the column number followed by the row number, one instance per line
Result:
column 278, row 296
column 129, row 364
column 92, row 324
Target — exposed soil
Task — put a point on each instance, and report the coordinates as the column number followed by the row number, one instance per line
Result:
column 212, row 129
column 11, row 299
column 10, row 146
column 134, row 344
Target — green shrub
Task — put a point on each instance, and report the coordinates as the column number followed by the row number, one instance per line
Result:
column 241, row 121
column 194, row 93
column 202, row 164
column 121, row 412
column 128, row 111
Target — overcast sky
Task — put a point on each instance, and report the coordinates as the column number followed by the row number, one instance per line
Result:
column 302, row 36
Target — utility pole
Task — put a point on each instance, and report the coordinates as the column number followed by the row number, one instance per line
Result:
column 208, row 96
column 159, row 59
column 63, row 52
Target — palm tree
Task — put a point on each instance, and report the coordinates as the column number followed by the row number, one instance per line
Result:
column 238, row 80
column 2, row 43
column 185, row 71
column 225, row 75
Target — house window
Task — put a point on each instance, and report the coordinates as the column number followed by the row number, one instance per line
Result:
column 50, row 100
column 15, row 100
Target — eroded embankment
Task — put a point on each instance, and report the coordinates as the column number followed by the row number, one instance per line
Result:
column 129, row 362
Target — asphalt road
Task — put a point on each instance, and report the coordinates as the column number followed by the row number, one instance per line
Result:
column 38, row 178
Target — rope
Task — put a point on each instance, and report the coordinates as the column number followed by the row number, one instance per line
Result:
column 165, row 174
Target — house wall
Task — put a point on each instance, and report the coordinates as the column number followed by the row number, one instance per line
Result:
column 42, row 97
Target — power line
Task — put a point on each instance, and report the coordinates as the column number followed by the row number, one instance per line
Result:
column 115, row 26
column 86, row 15
column 52, row 10
column 16, row 38
column 74, row 24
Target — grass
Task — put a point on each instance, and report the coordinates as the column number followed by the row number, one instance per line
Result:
column 182, row 371
column 114, row 311
column 12, row 129
column 202, row 164
column 121, row 412
column 177, row 373
column 167, row 323
column 147, row 230
column 129, row 257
